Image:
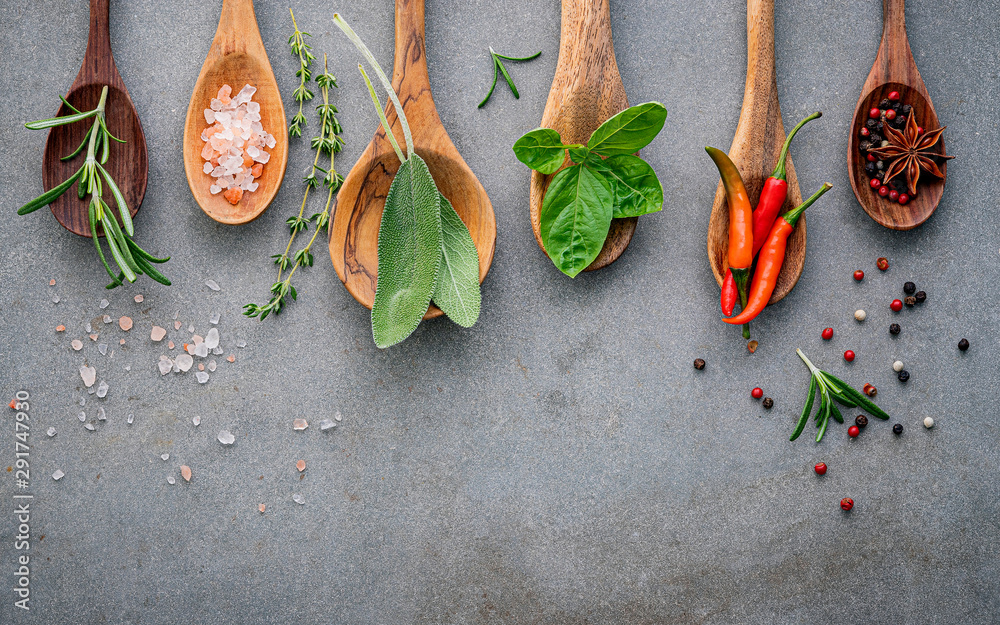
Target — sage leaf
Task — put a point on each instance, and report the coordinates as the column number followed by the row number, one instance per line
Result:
column 636, row 188
column 575, row 218
column 456, row 291
column 541, row 150
column 409, row 253
column 628, row 131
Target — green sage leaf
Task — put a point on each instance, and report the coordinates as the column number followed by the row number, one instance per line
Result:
column 575, row 218
column 629, row 131
column 456, row 291
column 541, row 149
column 636, row 188
column 409, row 253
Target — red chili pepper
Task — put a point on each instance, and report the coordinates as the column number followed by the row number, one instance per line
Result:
column 772, row 256
column 772, row 198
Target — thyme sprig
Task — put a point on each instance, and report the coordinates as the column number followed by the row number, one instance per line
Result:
column 327, row 143
column 302, row 93
column 131, row 259
column 498, row 67
column 831, row 389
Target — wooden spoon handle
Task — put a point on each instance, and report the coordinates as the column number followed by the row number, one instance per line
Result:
column 585, row 38
column 237, row 31
column 761, row 79
column 894, row 62
column 98, row 63
column 410, row 62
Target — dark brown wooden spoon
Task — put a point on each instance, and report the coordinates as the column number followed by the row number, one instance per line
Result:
column 128, row 162
column 894, row 70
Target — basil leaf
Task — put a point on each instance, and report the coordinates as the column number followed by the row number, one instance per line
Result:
column 629, row 131
column 409, row 253
column 456, row 291
column 636, row 188
column 575, row 218
column 541, row 149
column 579, row 155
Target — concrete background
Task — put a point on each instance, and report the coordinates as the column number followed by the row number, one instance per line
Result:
column 560, row 462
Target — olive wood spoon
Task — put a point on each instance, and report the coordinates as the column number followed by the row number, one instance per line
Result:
column 361, row 199
column 759, row 137
column 236, row 58
column 586, row 90
column 128, row 162
column 894, row 70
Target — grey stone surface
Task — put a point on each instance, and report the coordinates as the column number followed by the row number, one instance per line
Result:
column 560, row 462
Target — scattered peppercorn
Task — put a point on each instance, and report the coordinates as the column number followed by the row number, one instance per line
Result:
column 909, row 288
column 846, row 504
column 820, row 468
column 921, row 297
column 896, row 305
column 751, row 346
column 894, row 328
column 827, row 334
column 903, row 375
column 859, row 275
column 768, row 403
column 860, row 315
column 897, row 429
column 870, row 390
column 861, row 420
column 897, row 366
column 699, row 364
column 757, row 393
column 882, row 263
column 849, row 356
column 909, row 300
column 928, row 422
column 963, row 344
column 853, row 431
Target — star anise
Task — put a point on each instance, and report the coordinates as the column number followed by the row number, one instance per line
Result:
column 910, row 151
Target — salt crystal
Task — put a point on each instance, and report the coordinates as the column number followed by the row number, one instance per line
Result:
column 138, row 299
column 338, row 416
column 196, row 421
column 130, row 418
column 271, row 141
column 90, row 390
column 157, row 334
column 252, row 186
column 207, row 168
column 261, row 507
column 101, row 415
column 191, row 327
column 171, row 480
column 212, row 284
column 202, row 377
column 186, row 472
column 60, row 328
column 300, row 424
column 299, row 499
column 76, row 344
column 218, row 351
column 209, row 116
column 51, row 432
column 211, row 365
column 55, row 299
column 245, row 94
column 326, row 424
column 201, row 350
column 212, row 338
column 300, row 465
column 170, row 344
column 253, row 152
column 215, row 318
column 93, row 337
column 82, row 416
column 52, row 282
column 226, row 437
column 241, row 344
column 165, row 457
column 216, row 105
column 215, row 189
column 58, row 475
column 89, row 375
column 88, row 328
column 102, row 389
column 103, row 348
column 231, row 357
column 177, row 325
column 107, row 318
column 165, row 366
column 125, row 323
column 176, row 312
column 253, row 107
column 83, row 401
column 89, row 426
column 128, row 367
column 184, row 362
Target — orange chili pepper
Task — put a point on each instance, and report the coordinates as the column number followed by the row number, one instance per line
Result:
column 740, row 252
column 772, row 257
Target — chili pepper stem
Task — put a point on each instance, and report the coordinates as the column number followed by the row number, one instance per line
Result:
column 742, row 277
column 792, row 216
column 779, row 169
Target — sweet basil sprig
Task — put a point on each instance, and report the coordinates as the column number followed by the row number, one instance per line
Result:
column 425, row 251
column 498, row 67
column 831, row 389
column 605, row 181
column 131, row 259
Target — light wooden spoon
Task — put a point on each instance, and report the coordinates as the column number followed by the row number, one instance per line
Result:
column 128, row 163
column 236, row 58
column 894, row 70
column 759, row 137
column 355, row 225
column 586, row 90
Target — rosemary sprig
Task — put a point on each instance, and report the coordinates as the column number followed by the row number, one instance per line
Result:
column 831, row 389
column 302, row 94
column 131, row 259
column 498, row 67
column 329, row 143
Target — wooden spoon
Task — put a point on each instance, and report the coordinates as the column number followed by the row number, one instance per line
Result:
column 894, row 70
column 586, row 90
column 128, row 163
column 354, row 231
column 759, row 137
column 236, row 58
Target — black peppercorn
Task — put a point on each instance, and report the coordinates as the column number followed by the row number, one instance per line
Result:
column 921, row 297
column 906, row 109
column 879, row 127
column 870, row 169
column 909, row 288
column 963, row 344
column 894, row 329
column 896, row 107
column 864, row 146
column 768, row 403
column 871, row 124
column 861, row 420
column 897, row 429
column 699, row 364
column 903, row 375
column 909, row 300
column 876, row 139
column 884, row 104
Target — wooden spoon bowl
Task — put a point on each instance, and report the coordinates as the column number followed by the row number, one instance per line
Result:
column 894, row 70
column 359, row 205
column 755, row 149
column 236, row 58
column 128, row 162
column 587, row 90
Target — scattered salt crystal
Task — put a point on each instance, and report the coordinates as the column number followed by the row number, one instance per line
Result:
column 231, row 357
column 130, row 418
column 245, row 94
column 107, row 318
column 60, row 328
column 52, row 282
column 101, row 415
column 215, row 318
column 88, row 328
column 202, row 377
column 191, row 327
column 82, row 416
column 270, row 142
column 138, row 299
column 90, row 390
column 103, row 348
column 128, row 367
column 157, row 334
column 171, row 480
column 51, row 432
column 93, row 337
column 212, row 338
column 196, row 421
column 58, row 475
column 209, row 116
column 55, row 299
column 177, row 325
column 299, row 499
column 125, row 323
column 165, row 366
column 201, row 366
column 184, row 362
column 89, row 426
column 300, row 424
column 89, row 375
column 241, row 344
column 215, row 189
column 102, row 389
column 83, row 401
column 226, row 437
column 211, row 365
column 300, row 465
column 104, row 303
column 170, row 344
column 176, row 312
column 165, row 457
column 121, row 342
column 201, row 350
column 261, row 507
column 338, row 416
column 212, row 284
column 76, row 344
column 186, row 472
column 218, row 351
column 326, row 424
